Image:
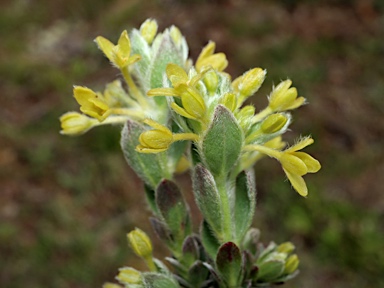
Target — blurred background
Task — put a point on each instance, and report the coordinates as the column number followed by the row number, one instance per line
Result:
column 66, row 203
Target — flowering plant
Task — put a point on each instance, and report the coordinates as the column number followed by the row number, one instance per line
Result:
column 177, row 116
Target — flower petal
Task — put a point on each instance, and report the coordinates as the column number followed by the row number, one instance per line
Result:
column 293, row 164
column 304, row 142
column 312, row 164
column 298, row 183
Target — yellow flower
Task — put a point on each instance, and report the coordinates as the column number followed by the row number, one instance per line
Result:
column 159, row 139
column 73, row 123
column 295, row 164
column 193, row 103
column 207, row 57
column 91, row 103
column 120, row 54
column 249, row 83
column 285, row 98
column 155, row 141
column 177, row 76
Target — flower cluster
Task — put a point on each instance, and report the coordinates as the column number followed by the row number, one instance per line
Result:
column 177, row 115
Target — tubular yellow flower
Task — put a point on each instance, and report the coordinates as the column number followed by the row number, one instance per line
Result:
column 249, row 83
column 176, row 75
column 148, row 30
column 91, row 103
column 73, row 123
column 155, row 141
column 120, row 54
column 295, row 164
column 159, row 139
column 193, row 103
column 207, row 57
column 285, row 98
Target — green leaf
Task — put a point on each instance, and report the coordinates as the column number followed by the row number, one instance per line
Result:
column 172, row 207
column 156, row 280
column 197, row 274
column 270, row 270
column 147, row 166
column 165, row 52
column 162, row 231
column 210, row 242
column 221, row 145
column 150, row 194
column 191, row 250
column 141, row 68
column 207, row 197
column 229, row 264
column 245, row 203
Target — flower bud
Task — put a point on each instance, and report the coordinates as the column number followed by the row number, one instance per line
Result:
column 273, row 123
column 73, row 123
column 251, row 81
column 128, row 275
column 229, row 100
column 140, row 243
column 291, row 264
column 286, row 247
column 148, row 30
column 211, row 80
column 176, row 35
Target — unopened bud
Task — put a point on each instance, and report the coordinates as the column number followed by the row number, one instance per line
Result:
column 291, row 264
column 273, row 123
column 129, row 275
column 148, row 30
column 140, row 243
column 250, row 82
column 229, row 100
column 211, row 80
column 286, row 247
column 176, row 35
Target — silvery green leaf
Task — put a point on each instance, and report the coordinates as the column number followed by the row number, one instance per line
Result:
column 245, row 202
column 229, row 264
column 210, row 242
column 141, row 68
column 221, row 145
column 207, row 197
column 147, row 166
column 164, row 52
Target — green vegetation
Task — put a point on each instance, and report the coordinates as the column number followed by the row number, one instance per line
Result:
column 66, row 203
